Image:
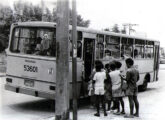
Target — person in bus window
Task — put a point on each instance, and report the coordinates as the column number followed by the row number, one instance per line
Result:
column 45, row 45
column 136, row 53
column 38, row 46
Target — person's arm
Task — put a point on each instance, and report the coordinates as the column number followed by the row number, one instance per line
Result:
column 128, row 76
column 94, row 78
column 138, row 77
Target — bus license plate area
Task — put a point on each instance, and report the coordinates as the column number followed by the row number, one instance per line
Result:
column 29, row 83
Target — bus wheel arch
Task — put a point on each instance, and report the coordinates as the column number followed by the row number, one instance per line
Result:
column 147, row 79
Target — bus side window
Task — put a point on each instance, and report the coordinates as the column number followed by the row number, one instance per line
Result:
column 149, row 49
column 99, row 51
column 139, row 48
column 100, row 47
column 79, row 49
column 127, row 47
column 112, row 47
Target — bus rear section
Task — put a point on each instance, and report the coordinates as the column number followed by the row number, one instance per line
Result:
column 31, row 76
column 31, row 61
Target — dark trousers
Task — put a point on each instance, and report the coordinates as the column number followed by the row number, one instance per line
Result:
column 100, row 99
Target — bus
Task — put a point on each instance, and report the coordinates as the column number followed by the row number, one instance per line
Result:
column 32, row 70
column 162, row 55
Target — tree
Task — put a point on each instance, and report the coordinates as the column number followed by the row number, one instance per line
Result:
column 27, row 12
column 5, row 22
column 80, row 21
column 124, row 31
column 106, row 29
column 115, row 28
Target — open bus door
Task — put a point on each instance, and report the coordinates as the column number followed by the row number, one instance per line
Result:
column 156, row 61
column 89, row 45
column 88, row 57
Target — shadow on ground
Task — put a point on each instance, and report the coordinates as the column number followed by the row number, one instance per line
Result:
column 39, row 105
column 45, row 105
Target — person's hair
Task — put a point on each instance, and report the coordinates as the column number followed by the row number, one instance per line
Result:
column 118, row 64
column 129, row 61
column 112, row 66
column 107, row 65
column 99, row 63
column 98, row 68
column 38, row 40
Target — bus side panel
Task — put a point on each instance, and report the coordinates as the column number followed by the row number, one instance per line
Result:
column 43, row 78
column 79, row 77
column 144, row 66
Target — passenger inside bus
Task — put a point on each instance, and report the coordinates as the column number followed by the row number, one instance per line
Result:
column 45, row 44
column 135, row 53
column 42, row 45
column 38, row 46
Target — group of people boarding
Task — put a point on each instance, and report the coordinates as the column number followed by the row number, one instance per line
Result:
column 109, row 85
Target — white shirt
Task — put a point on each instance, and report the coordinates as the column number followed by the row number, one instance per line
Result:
column 99, row 78
column 115, row 78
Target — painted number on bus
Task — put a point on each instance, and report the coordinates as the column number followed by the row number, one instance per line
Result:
column 30, row 68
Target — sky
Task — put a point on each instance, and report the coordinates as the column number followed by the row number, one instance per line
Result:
column 147, row 14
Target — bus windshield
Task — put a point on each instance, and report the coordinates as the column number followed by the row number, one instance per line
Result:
column 34, row 41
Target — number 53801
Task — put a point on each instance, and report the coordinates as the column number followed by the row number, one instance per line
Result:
column 30, row 68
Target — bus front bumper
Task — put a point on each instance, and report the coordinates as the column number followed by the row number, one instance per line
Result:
column 30, row 92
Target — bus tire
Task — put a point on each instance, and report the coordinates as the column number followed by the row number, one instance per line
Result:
column 143, row 87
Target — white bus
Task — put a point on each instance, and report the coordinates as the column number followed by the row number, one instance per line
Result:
column 31, row 66
column 162, row 55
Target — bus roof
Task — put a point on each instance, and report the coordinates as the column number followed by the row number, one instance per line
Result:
column 53, row 24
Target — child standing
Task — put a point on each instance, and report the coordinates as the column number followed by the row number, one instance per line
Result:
column 120, row 97
column 116, row 85
column 98, row 81
column 108, row 87
column 132, row 76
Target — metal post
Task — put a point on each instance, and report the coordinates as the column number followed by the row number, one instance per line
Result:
column 62, row 61
column 74, row 58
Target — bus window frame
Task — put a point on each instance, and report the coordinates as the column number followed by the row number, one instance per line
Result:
column 50, row 29
column 101, row 50
column 126, row 44
column 141, row 44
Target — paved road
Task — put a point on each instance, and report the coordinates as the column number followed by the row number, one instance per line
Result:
column 23, row 107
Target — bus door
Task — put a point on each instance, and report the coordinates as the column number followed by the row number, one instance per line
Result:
column 89, row 50
column 156, row 62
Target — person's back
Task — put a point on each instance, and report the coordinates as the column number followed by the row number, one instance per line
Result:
column 99, row 78
column 132, row 77
column 98, row 81
column 115, row 78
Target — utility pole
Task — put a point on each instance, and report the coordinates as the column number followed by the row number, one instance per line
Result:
column 74, row 58
column 62, row 61
column 44, row 18
column 129, row 25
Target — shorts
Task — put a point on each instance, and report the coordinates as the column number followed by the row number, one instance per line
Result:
column 118, row 93
column 99, row 91
column 132, row 92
